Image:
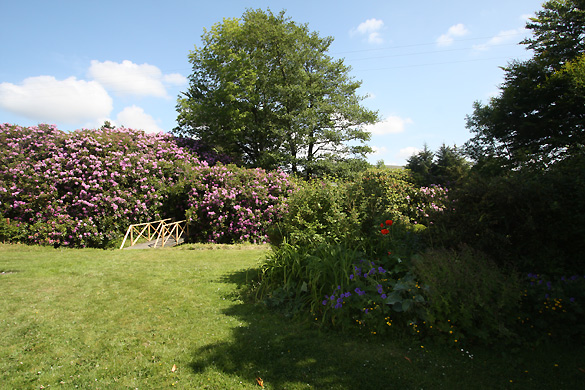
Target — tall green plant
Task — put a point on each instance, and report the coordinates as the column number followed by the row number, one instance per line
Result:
column 468, row 295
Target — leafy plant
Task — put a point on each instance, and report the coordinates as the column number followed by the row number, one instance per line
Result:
column 553, row 308
column 468, row 295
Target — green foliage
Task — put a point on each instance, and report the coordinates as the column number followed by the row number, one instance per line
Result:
column 558, row 30
column 365, row 277
column 380, row 193
column 538, row 117
column 317, row 213
column 9, row 230
column 445, row 167
column 334, row 211
column 296, row 278
column 468, row 295
column 264, row 90
column 420, row 166
column 532, row 220
column 553, row 308
column 345, row 169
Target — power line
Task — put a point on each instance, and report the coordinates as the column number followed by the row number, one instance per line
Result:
column 429, row 43
column 431, row 64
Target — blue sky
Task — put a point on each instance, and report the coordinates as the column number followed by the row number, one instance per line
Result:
column 423, row 64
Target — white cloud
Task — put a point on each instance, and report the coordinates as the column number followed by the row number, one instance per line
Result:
column 405, row 153
column 134, row 117
column 47, row 99
column 456, row 31
column 391, row 125
column 371, row 30
column 174, row 79
column 129, row 78
column 378, row 151
column 501, row 38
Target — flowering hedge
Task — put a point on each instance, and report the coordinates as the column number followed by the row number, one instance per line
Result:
column 235, row 204
column 86, row 187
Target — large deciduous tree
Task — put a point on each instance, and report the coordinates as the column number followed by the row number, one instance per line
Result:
column 539, row 116
column 264, row 90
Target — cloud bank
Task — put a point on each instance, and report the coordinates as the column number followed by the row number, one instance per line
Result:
column 134, row 117
column 46, row 99
column 128, row 78
column 87, row 103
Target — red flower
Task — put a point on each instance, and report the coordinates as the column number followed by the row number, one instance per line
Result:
column 382, row 225
column 385, row 231
column 389, row 222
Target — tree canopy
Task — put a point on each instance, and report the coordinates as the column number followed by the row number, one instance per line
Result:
column 445, row 167
column 539, row 116
column 264, row 90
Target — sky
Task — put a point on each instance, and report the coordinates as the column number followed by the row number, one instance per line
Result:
column 422, row 63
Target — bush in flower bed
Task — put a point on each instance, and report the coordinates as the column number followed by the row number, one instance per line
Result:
column 86, row 187
column 345, row 283
column 468, row 296
column 428, row 203
column 553, row 308
column 323, row 211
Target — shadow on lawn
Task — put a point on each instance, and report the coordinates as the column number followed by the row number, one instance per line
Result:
column 287, row 354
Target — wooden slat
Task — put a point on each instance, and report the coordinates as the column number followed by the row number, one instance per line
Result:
column 145, row 226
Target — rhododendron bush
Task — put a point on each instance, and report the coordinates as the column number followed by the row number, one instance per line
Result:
column 234, row 204
column 86, row 187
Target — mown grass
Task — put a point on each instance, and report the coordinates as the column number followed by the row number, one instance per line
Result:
column 99, row 319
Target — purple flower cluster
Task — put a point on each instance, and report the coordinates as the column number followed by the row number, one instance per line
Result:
column 86, row 187
column 427, row 202
column 231, row 204
column 370, row 270
column 538, row 284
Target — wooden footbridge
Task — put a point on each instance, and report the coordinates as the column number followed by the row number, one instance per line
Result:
column 164, row 232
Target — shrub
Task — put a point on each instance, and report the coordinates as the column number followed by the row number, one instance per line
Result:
column 553, row 308
column 335, row 211
column 86, row 187
column 364, row 283
column 381, row 192
column 317, row 213
column 467, row 295
column 231, row 204
column 531, row 220
column 428, row 204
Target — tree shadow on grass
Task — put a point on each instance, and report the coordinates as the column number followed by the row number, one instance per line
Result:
column 289, row 354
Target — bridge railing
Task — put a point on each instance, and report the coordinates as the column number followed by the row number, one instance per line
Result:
column 148, row 230
column 172, row 230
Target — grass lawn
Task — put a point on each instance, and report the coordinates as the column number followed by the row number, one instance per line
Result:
column 110, row 319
